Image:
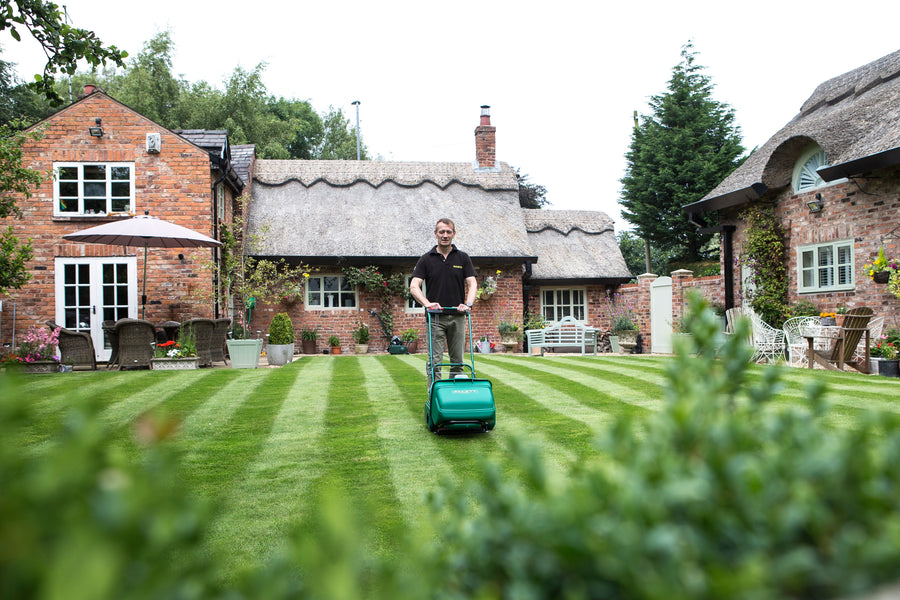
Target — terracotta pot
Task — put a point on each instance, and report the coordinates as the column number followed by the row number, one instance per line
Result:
column 335, row 349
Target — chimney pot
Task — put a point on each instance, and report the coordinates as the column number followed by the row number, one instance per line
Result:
column 485, row 140
column 89, row 89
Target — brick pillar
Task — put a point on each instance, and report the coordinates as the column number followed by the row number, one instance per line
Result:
column 679, row 280
column 642, row 307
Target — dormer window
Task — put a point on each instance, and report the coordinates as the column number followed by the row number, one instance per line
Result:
column 805, row 170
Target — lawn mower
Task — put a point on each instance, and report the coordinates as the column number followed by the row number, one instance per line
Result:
column 463, row 402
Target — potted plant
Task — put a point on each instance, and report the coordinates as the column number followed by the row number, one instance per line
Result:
column 335, row 343
column 410, row 338
column 487, row 288
column 176, row 356
column 361, row 337
column 827, row 319
column 882, row 268
column 535, row 320
column 308, row 339
column 839, row 314
column 280, row 350
column 883, row 355
column 622, row 323
column 509, row 333
column 37, row 351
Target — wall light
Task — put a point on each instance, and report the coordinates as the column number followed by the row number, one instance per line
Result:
column 96, row 131
column 815, row 205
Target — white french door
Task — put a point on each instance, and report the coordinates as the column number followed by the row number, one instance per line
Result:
column 92, row 290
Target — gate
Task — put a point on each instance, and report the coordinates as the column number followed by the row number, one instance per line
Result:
column 661, row 315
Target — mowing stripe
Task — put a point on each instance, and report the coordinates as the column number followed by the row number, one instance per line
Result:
column 635, row 390
column 411, row 451
column 264, row 503
column 210, row 417
column 161, row 387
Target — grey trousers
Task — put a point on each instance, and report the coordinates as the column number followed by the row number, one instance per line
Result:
column 447, row 331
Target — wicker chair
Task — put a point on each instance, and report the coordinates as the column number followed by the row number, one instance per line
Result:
column 109, row 332
column 217, row 343
column 75, row 347
column 768, row 342
column 202, row 331
column 137, row 341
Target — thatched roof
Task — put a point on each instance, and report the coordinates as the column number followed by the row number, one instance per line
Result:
column 358, row 210
column 574, row 245
column 853, row 116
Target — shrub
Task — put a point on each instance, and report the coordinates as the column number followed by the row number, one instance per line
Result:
column 281, row 330
column 361, row 334
column 409, row 335
column 309, row 335
column 334, row 341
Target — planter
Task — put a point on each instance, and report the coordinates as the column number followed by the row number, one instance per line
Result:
column 510, row 341
column 174, row 364
column 889, row 368
column 244, row 353
column 881, row 277
column 335, row 349
column 412, row 346
column 279, row 354
column 361, row 348
column 627, row 339
column 828, row 321
column 308, row 346
column 839, row 320
column 41, row 366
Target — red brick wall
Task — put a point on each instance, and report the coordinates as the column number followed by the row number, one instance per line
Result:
column 173, row 185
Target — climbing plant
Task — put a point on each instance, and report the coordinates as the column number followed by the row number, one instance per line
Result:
column 374, row 281
column 764, row 255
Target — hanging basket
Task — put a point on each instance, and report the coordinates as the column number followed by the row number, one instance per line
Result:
column 881, row 276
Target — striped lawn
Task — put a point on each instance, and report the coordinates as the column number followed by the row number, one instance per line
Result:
column 270, row 445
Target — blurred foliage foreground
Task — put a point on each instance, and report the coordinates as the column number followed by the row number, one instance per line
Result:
column 718, row 495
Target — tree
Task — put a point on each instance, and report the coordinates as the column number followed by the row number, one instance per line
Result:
column 633, row 251
column 339, row 138
column 531, row 195
column 63, row 44
column 148, row 85
column 19, row 104
column 677, row 155
column 15, row 180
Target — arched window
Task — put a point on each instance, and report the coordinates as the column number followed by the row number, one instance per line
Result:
column 805, row 175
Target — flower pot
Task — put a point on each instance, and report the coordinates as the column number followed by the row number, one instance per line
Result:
column 889, row 368
column 881, row 276
column 627, row 339
column 174, row 364
column 510, row 341
column 412, row 346
column 308, row 346
column 244, row 353
column 335, row 349
column 839, row 320
column 828, row 321
column 41, row 366
column 279, row 354
column 361, row 348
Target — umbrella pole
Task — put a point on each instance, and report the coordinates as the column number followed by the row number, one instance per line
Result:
column 144, row 287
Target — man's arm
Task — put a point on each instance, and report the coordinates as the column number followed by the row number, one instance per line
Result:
column 471, row 289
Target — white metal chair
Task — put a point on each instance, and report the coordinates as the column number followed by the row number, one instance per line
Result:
column 768, row 342
column 876, row 326
column 796, row 345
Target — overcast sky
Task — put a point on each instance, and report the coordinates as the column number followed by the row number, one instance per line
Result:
column 563, row 78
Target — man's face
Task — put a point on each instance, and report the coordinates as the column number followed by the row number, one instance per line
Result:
column 444, row 234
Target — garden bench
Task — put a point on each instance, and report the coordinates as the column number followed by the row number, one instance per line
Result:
column 568, row 332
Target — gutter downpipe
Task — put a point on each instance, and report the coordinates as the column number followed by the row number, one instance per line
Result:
column 727, row 255
column 215, row 251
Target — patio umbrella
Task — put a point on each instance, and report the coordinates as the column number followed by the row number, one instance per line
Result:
column 143, row 231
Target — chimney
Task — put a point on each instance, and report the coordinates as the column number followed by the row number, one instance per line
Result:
column 485, row 141
column 89, row 89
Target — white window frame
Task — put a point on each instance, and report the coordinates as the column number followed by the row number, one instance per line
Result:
column 80, row 195
column 830, row 270
column 411, row 305
column 556, row 310
column 329, row 297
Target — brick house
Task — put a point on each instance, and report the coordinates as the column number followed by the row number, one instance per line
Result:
column 109, row 163
column 333, row 214
column 832, row 178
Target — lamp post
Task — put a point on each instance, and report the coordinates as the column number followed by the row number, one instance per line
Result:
column 356, row 104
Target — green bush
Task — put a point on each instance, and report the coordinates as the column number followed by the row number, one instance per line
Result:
column 281, row 330
column 803, row 308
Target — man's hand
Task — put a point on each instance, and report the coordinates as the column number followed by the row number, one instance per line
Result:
column 433, row 305
column 464, row 308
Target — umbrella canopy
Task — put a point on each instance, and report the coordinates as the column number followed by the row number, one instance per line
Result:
column 146, row 232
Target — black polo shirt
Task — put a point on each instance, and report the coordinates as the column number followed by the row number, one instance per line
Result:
column 445, row 279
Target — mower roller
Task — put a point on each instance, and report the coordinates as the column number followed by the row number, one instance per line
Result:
column 463, row 402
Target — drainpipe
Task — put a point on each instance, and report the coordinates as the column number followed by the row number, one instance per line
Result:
column 728, row 267
column 526, row 289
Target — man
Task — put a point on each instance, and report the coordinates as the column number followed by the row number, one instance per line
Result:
column 450, row 281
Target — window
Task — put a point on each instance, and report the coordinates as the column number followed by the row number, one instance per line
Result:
column 329, row 291
column 805, row 175
column 825, row 267
column 93, row 188
column 411, row 304
column 559, row 303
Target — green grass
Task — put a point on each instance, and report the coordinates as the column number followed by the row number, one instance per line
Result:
column 270, row 445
